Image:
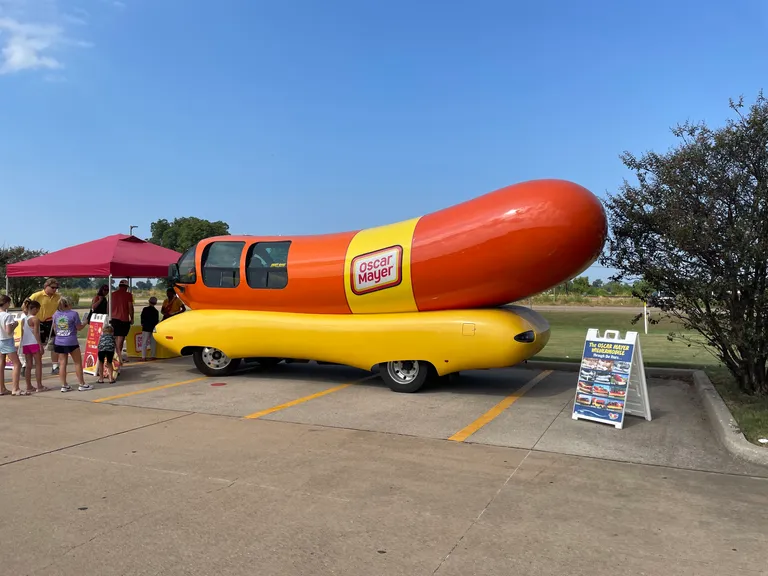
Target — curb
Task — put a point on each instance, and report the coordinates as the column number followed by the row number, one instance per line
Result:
column 723, row 423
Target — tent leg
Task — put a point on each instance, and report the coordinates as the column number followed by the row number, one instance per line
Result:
column 109, row 299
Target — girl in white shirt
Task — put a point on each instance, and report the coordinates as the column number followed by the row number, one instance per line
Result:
column 8, row 347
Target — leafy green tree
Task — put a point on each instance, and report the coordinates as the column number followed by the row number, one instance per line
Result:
column 695, row 225
column 20, row 288
column 580, row 285
column 185, row 232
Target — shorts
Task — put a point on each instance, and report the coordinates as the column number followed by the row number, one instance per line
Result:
column 31, row 349
column 122, row 327
column 65, row 349
column 106, row 356
column 7, row 346
column 45, row 331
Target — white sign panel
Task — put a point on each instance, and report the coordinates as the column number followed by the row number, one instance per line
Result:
column 611, row 380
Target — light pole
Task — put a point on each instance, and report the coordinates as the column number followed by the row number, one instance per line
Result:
column 130, row 281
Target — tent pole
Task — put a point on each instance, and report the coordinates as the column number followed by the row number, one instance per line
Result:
column 109, row 299
column 6, row 286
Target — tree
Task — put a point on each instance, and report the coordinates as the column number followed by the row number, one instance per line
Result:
column 20, row 288
column 580, row 284
column 185, row 232
column 695, row 225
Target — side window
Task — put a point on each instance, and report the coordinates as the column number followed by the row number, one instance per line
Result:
column 266, row 265
column 187, row 274
column 221, row 264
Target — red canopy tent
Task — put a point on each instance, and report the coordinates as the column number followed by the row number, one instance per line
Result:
column 117, row 255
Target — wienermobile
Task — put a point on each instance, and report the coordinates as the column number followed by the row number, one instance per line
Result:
column 415, row 300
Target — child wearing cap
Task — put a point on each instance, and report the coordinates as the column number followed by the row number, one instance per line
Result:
column 150, row 317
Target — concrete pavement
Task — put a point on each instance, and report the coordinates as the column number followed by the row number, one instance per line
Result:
column 162, row 474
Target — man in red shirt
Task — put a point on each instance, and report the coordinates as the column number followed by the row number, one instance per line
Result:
column 122, row 315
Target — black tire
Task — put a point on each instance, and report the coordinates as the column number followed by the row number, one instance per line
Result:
column 406, row 376
column 213, row 362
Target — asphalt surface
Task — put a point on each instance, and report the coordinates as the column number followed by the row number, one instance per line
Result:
column 313, row 469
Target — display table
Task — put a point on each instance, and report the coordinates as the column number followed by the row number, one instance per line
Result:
column 133, row 345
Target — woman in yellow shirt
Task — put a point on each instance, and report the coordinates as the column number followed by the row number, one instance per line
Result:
column 172, row 305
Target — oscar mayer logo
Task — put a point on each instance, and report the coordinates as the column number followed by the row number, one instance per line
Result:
column 377, row 270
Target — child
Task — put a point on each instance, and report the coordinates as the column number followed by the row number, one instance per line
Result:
column 66, row 323
column 106, row 354
column 150, row 318
column 8, row 347
column 31, row 347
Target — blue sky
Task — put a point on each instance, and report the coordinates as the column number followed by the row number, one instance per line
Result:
column 307, row 117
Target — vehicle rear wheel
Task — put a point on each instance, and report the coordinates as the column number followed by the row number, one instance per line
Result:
column 406, row 375
column 213, row 362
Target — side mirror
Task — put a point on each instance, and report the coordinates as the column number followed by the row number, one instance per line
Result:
column 173, row 272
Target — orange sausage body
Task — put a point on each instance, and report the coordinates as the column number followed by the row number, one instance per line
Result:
column 492, row 250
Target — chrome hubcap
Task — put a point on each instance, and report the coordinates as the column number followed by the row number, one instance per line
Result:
column 215, row 358
column 403, row 371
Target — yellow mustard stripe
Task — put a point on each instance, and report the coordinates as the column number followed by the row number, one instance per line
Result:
column 303, row 399
column 145, row 390
column 377, row 269
column 489, row 416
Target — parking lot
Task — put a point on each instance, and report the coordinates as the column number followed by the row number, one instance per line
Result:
column 322, row 469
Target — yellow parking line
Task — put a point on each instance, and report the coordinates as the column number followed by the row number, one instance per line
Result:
column 145, row 390
column 489, row 416
column 279, row 407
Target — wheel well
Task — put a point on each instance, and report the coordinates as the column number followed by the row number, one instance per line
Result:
column 189, row 350
column 376, row 367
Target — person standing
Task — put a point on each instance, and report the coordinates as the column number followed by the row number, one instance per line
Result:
column 106, row 355
column 122, row 316
column 149, row 319
column 8, row 347
column 99, row 302
column 31, row 348
column 172, row 305
column 49, row 299
column 66, row 323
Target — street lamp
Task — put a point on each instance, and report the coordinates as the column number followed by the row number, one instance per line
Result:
column 130, row 282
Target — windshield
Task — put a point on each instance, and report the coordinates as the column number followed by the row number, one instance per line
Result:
column 186, row 265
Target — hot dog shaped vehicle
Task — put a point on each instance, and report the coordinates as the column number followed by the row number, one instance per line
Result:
column 419, row 298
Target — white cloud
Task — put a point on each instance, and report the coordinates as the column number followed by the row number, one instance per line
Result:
column 27, row 46
column 33, row 34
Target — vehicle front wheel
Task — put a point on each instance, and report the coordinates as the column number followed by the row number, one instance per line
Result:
column 406, row 375
column 213, row 362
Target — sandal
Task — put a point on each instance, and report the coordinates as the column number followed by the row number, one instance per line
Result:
column 21, row 393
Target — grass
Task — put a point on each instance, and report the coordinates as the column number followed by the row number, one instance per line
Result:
column 579, row 300
column 569, row 330
column 750, row 412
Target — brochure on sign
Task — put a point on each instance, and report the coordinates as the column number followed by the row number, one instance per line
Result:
column 611, row 381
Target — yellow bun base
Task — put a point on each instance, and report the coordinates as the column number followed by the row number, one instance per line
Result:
column 451, row 340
